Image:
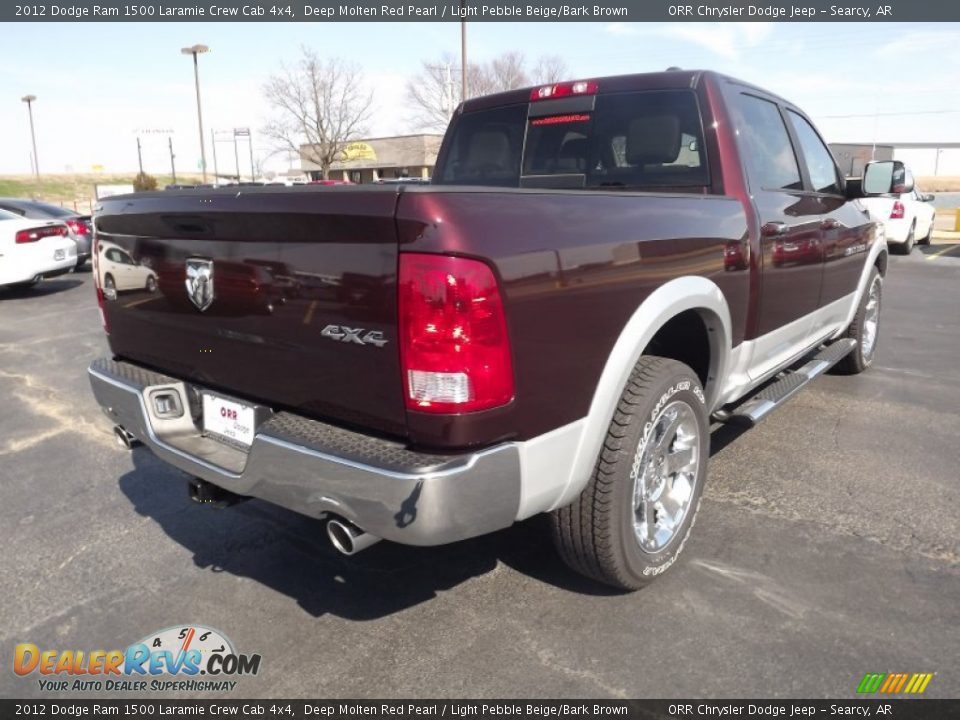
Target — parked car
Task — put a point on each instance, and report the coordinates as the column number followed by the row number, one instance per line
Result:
column 117, row 271
column 907, row 217
column 80, row 225
column 548, row 327
column 32, row 249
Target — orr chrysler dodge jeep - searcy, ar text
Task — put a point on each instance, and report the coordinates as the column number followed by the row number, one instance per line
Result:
column 597, row 269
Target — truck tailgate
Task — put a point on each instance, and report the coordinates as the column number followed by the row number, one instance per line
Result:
column 284, row 296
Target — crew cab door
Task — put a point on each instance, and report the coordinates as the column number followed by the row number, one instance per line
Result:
column 842, row 226
column 790, row 242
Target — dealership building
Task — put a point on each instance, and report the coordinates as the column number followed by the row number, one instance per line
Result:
column 923, row 158
column 383, row 158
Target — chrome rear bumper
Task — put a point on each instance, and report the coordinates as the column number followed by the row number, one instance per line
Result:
column 315, row 469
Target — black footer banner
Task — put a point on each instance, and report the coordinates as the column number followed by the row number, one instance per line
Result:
column 916, row 709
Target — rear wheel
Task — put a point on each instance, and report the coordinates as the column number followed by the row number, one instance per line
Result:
column 632, row 520
column 151, row 284
column 109, row 283
column 907, row 247
column 865, row 329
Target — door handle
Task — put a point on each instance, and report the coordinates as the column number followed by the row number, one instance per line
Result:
column 774, row 229
column 830, row 224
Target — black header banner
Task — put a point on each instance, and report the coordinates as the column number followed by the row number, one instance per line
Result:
column 480, row 11
column 895, row 709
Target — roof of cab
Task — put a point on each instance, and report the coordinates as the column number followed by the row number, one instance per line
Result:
column 665, row 80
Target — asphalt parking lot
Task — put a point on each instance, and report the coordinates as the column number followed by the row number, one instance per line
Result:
column 828, row 545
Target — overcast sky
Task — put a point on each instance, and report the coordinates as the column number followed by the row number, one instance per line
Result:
column 97, row 84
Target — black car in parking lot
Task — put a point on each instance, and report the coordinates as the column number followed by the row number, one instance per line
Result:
column 80, row 225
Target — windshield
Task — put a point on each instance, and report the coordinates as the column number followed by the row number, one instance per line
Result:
column 633, row 140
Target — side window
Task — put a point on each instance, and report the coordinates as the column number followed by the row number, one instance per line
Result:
column 485, row 148
column 767, row 144
column 820, row 164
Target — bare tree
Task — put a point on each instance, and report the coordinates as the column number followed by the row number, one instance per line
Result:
column 435, row 92
column 508, row 71
column 320, row 106
column 550, row 69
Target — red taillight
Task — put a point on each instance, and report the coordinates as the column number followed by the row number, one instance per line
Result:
column 898, row 211
column 548, row 92
column 454, row 348
column 34, row 234
column 79, row 227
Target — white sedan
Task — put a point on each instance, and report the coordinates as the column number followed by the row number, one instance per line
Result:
column 118, row 271
column 907, row 218
column 32, row 249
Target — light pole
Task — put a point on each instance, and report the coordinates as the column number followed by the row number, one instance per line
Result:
column 29, row 99
column 197, row 50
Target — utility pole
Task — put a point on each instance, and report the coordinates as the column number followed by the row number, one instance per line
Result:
column 463, row 53
column 139, row 155
column 29, row 100
column 253, row 174
column 244, row 132
column 449, row 93
column 236, row 155
column 173, row 167
column 196, row 50
column 213, row 144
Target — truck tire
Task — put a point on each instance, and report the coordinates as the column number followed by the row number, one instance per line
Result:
column 632, row 520
column 865, row 329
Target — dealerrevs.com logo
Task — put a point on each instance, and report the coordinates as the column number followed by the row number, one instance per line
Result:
column 184, row 658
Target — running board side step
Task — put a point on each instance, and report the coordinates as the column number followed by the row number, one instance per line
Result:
column 752, row 409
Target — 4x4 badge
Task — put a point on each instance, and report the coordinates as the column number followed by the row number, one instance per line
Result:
column 200, row 282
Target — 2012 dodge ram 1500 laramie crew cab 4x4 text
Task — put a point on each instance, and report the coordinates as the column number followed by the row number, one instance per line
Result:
column 597, row 269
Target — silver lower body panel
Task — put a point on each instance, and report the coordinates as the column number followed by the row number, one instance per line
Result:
column 312, row 468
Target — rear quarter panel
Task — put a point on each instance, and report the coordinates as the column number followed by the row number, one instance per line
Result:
column 573, row 267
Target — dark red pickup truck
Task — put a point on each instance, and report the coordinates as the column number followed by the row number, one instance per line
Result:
column 597, row 270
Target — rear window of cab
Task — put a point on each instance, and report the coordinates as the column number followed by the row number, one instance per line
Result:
column 635, row 140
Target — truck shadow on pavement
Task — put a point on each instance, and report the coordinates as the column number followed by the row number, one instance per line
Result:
column 290, row 553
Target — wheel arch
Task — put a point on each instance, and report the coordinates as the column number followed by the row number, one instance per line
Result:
column 673, row 306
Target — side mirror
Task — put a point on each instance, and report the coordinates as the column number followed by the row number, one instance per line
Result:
column 928, row 197
column 885, row 177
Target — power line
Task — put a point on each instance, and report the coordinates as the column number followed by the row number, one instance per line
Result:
column 891, row 114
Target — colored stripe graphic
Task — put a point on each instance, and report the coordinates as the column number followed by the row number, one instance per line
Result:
column 894, row 683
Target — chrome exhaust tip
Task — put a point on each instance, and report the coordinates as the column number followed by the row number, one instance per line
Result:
column 347, row 538
column 124, row 438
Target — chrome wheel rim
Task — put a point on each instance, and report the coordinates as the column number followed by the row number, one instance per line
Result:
column 665, row 476
column 871, row 321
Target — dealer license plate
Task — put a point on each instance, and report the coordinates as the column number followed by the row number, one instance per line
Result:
column 228, row 419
